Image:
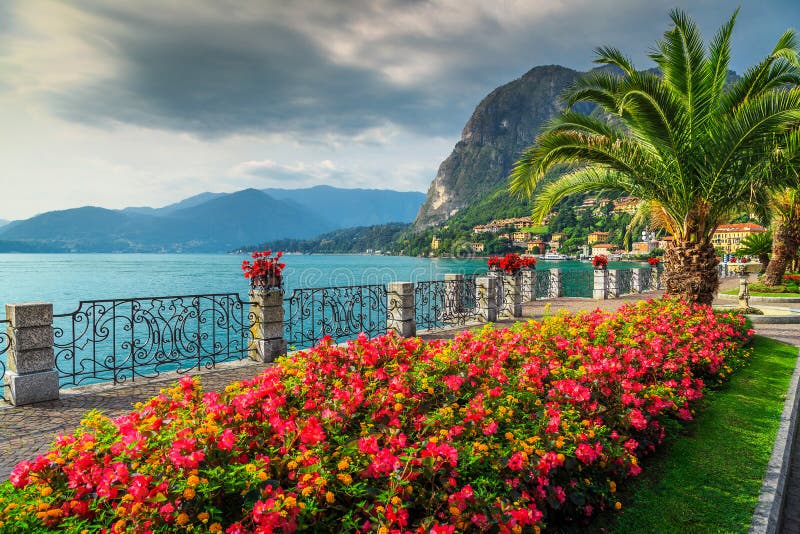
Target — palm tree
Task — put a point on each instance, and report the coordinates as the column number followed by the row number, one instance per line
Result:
column 692, row 146
column 785, row 207
column 758, row 245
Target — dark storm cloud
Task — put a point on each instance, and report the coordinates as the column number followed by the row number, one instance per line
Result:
column 214, row 80
column 178, row 68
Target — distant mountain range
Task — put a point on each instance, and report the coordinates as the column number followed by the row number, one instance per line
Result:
column 210, row 222
column 4, row 222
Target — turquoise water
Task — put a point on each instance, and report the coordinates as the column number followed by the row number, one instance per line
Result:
column 66, row 279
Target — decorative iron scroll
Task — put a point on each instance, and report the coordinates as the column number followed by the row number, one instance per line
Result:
column 542, row 283
column 646, row 279
column 577, row 283
column 122, row 339
column 339, row 312
column 624, row 281
column 445, row 303
column 5, row 345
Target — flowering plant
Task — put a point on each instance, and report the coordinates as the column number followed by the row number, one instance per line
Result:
column 791, row 277
column 265, row 270
column 653, row 261
column 600, row 261
column 498, row 430
column 510, row 263
column 732, row 260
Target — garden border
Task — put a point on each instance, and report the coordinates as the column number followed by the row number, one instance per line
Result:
column 769, row 510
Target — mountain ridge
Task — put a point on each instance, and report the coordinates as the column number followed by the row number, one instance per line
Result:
column 209, row 222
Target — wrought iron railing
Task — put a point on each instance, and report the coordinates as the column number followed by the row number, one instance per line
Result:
column 542, row 284
column 122, row 339
column 577, row 283
column 445, row 303
column 5, row 345
column 624, row 281
column 339, row 312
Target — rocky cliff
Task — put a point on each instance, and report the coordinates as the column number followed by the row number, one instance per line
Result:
column 502, row 126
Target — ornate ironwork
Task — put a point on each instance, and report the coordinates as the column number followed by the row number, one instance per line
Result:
column 5, row 345
column 648, row 279
column 542, row 283
column 339, row 312
column 445, row 303
column 122, row 339
column 624, row 281
column 577, row 283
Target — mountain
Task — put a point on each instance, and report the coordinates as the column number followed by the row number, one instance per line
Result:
column 209, row 222
column 348, row 240
column 4, row 222
column 354, row 207
column 501, row 127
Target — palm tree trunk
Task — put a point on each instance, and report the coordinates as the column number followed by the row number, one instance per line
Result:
column 785, row 242
column 690, row 272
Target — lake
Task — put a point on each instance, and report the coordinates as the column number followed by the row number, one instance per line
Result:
column 66, row 279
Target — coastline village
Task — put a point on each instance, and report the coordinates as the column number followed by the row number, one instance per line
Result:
column 521, row 233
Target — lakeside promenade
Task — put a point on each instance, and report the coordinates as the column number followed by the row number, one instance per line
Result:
column 29, row 430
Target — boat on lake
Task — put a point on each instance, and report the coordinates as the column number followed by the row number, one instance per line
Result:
column 555, row 256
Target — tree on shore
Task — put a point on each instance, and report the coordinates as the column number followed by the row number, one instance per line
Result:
column 691, row 146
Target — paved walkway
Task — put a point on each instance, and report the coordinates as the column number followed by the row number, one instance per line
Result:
column 28, row 431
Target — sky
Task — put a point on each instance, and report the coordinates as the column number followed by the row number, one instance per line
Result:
column 119, row 103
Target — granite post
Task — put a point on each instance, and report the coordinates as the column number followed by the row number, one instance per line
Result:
column 31, row 375
column 655, row 281
column 600, row 291
column 486, row 297
column 613, row 284
column 528, row 285
column 400, row 309
column 512, row 296
column 267, row 312
column 637, row 280
column 554, row 289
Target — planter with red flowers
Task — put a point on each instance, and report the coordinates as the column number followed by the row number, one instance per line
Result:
column 266, row 270
column 600, row 262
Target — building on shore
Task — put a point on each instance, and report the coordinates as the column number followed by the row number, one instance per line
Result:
column 477, row 247
column 603, row 249
column 729, row 236
column 598, row 237
column 643, row 247
column 435, row 243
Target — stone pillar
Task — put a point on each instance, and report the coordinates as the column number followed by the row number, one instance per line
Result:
column 613, row 284
column 267, row 310
column 600, row 291
column 637, row 279
column 512, row 296
column 454, row 294
column 528, row 285
column 744, row 292
column 655, row 280
column 487, row 298
column 554, row 290
column 31, row 373
column 400, row 309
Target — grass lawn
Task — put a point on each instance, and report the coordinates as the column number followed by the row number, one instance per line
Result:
column 760, row 294
column 708, row 478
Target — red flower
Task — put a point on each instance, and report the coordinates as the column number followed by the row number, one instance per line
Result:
column 599, row 261
column 312, row 433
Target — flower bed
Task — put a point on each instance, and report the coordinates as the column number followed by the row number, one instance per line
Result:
column 505, row 430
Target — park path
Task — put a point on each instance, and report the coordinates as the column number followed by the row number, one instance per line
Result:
column 28, row 430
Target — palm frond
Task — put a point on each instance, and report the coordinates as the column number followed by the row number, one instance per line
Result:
column 581, row 180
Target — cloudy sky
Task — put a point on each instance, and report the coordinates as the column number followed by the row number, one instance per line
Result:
column 119, row 103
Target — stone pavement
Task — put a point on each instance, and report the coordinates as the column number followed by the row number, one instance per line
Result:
column 28, row 431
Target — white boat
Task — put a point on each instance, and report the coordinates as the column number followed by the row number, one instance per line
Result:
column 555, row 256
